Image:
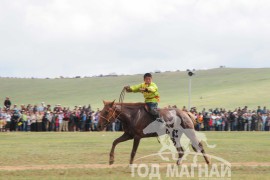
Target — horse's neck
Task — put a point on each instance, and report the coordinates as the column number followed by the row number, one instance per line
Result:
column 130, row 114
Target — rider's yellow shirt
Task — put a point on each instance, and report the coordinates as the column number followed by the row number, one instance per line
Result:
column 151, row 95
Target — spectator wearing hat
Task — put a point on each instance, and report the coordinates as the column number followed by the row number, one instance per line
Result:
column 49, row 108
column 259, row 122
column 60, row 120
column 52, row 122
column 88, row 121
column 83, row 121
column 41, row 108
column 225, row 121
column 33, row 119
column 23, row 108
column 45, row 121
column 49, row 121
column 254, row 120
column 77, row 120
column 249, row 119
column 24, row 121
column 56, row 115
column 245, row 122
column 72, row 125
column 39, row 121
column 233, row 120
column 60, row 107
column 28, row 121
column 65, row 121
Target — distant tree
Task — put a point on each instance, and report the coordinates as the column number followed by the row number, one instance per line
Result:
column 113, row 74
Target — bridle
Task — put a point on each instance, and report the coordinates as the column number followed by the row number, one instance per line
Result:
column 121, row 99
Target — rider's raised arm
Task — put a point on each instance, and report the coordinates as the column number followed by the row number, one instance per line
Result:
column 136, row 88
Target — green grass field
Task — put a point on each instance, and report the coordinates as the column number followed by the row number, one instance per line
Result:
column 74, row 150
column 224, row 87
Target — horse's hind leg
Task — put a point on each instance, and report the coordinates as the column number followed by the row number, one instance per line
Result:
column 203, row 152
column 196, row 145
column 180, row 151
column 122, row 138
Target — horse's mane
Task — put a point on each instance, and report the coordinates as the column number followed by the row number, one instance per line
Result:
column 138, row 104
column 129, row 104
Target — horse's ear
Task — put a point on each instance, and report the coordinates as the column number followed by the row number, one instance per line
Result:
column 104, row 102
column 112, row 103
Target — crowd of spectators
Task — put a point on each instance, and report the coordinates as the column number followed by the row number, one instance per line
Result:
column 82, row 118
column 240, row 119
column 47, row 118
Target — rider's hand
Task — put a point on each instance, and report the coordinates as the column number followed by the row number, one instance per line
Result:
column 127, row 88
column 142, row 89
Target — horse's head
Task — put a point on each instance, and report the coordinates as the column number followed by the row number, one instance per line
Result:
column 107, row 115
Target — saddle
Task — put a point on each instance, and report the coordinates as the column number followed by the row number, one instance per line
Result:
column 163, row 114
column 169, row 115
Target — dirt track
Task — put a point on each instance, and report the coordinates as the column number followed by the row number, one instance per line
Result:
column 104, row 166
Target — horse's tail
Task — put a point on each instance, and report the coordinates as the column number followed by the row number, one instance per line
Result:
column 192, row 117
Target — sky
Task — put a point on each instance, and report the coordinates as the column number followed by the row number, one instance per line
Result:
column 52, row 38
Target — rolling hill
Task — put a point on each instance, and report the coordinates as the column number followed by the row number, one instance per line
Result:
column 222, row 87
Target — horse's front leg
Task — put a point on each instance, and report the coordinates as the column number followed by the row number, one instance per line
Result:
column 136, row 143
column 122, row 138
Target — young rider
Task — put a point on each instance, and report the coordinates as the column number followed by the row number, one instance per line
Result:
column 150, row 92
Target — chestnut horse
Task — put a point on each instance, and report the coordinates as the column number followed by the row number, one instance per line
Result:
column 135, row 118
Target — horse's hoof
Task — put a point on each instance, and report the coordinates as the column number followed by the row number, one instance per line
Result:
column 178, row 163
column 111, row 162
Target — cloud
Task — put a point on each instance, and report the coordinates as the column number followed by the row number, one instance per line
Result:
column 50, row 38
